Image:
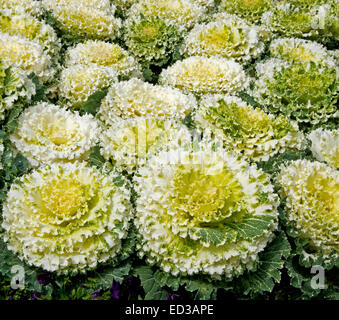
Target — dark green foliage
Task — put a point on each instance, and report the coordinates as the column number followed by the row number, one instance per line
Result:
column 93, row 102
column 268, row 272
column 95, row 158
column 272, row 166
column 39, row 88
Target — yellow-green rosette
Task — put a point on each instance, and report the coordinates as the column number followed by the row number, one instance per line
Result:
column 104, row 5
column 299, row 50
column 26, row 54
column 66, row 218
column 92, row 19
column 32, row 7
column 325, row 146
column 103, row 54
column 251, row 10
column 225, row 36
column 31, row 28
column 289, row 21
column 306, row 92
column 203, row 75
column 311, row 191
column 325, row 12
column 135, row 98
column 151, row 39
column 249, row 131
column 183, row 13
column 79, row 82
column 48, row 133
column 308, row 4
column 316, row 20
column 201, row 211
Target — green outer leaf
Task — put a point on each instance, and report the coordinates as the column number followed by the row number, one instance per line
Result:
column 128, row 245
column 93, row 102
column 203, row 287
column 39, row 88
column 215, row 236
column 301, row 278
column 204, row 290
column 152, row 288
column 119, row 181
column 8, row 260
column 249, row 99
column 7, row 78
column 12, row 167
column 21, row 163
column 268, row 272
column 251, row 226
column 12, row 122
column 95, row 158
column 272, row 166
column 166, row 279
column 105, row 277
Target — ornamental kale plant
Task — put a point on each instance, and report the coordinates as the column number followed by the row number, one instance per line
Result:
column 169, row 149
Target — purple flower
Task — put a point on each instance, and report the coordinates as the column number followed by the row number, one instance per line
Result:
column 96, row 295
column 44, row 278
column 115, row 290
column 173, row 297
column 36, row 295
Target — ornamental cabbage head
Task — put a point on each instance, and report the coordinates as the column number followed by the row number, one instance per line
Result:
column 103, row 5
column 31, row 7
column 226, row 36
column 314, row 22
column 47, row 133
column 79, row 82
column 85, row 21
column 306, row 92
column 299, row 50
column 16, row 89
column 135, row 98
column 151, row 39
column 103, row 54
column 251, row 10
column 308, row 4
column 66, row 218
column 202, row 75
column 183, row 13
column 325, row 146
column 325, row 12
column 131, row 142
column 201, row 211
column 311, row 190
column 26, row 54
column 250, row 132
column 31, row 28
